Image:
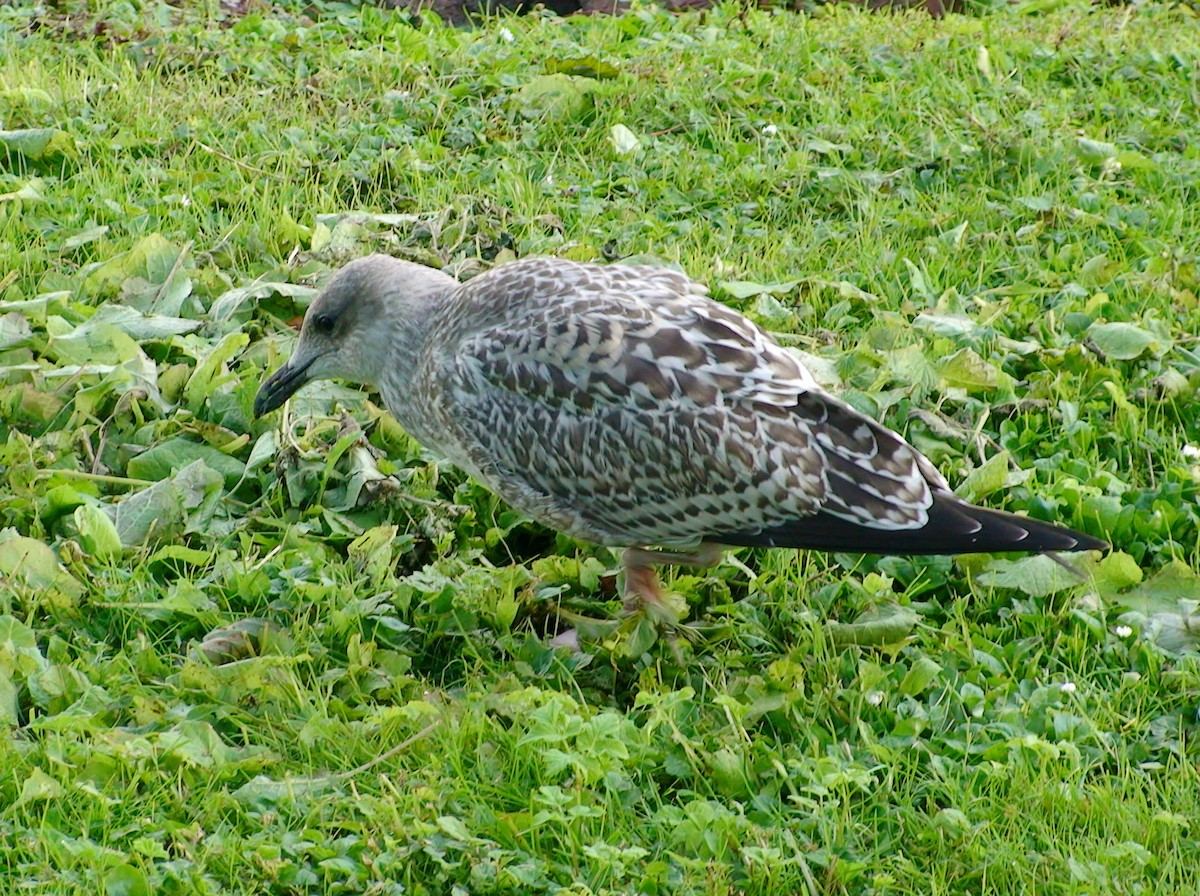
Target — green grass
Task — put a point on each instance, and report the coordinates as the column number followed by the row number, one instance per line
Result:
column 984, row 230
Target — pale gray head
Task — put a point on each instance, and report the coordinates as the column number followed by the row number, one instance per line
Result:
column 361, row 319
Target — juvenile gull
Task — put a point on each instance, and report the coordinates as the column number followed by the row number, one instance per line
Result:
column 621, row 405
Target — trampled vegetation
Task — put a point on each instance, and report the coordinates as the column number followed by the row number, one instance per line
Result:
column 984, row 231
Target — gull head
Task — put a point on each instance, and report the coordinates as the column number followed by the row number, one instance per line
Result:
column 372, row 314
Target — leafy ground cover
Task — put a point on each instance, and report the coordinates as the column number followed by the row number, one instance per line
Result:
column 984, row 231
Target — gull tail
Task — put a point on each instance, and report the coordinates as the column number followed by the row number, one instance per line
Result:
column 953, row 527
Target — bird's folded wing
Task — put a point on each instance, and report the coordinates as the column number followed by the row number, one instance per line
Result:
column 674, row 420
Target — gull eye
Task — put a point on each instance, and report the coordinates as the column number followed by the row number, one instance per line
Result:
column 323, row 324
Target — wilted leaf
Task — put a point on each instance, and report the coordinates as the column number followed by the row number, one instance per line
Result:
column 83, row 237
column 952, row 326
column 178, row 555
column 36, row 143
column 21, row 95
column 18, row 646
column 126, row 880
column 1177, row 632
column 199, row 484
column 1122, row 341
column 624, row 141
column 1036, row 576
column 1097, row 271
column 955, row 236
column 556, row 97
column 1043, row 203
column 1114, row 573
column 263, row 451
column 1095, row 151
column 237, row 641
column 1171, row 383
column 1133, row 160
column 154, row 514
column 911, row 367
column 339, row 236
column 983, row 62
column 211, row 373
column 745, row 289
column 1163, row 592
column 14, row 330
column 585, row 66
column 920, row 674
column 824, row 147
column 97, row 534
column 30, row 191
column 992, row 475
column 161, row 460
column 769, row 312
column 371, row 552
column 363, row 469
column 845, row 290
column 165, row 286
column 967, row 370
column 823, row 370
column 952, row 824
column 89, row 345
column 93, row 340
column 876, row 627
column 640, row 638
column 262, row 793
column 39, row 306
column 19, row 659
column 39, row 786
column 185, row 501
column 152, row 260
column 39, row 406
column 181, row 598
column 918, row 280
column 229, row 303
column 34, row 565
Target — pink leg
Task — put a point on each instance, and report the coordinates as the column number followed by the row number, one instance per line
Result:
column 641, row 580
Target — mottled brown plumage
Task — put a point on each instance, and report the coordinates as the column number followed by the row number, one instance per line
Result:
column 621, row 405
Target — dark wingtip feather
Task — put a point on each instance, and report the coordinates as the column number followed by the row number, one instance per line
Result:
column 954, row 527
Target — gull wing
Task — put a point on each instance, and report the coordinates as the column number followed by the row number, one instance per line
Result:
column 658, row 416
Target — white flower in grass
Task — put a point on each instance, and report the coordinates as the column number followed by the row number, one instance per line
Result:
column 1067, row 687
column 505, row 35
column 1191, row 452
column 770, row 130
column 875, row 697
column 1122, row 631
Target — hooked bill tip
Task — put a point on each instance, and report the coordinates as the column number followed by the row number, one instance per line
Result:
column 278, row 388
